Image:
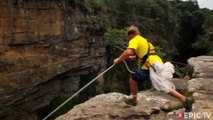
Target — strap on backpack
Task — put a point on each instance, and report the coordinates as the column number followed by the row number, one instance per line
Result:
column 144, row 58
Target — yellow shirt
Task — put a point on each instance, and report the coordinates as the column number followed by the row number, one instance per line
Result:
column 140, row 45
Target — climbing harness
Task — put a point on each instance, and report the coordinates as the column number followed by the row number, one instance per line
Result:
column 174, row 62
column 78, row 92
column 145, row 57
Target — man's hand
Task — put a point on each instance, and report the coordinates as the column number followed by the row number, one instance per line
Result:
column 116, row 61
column 124, row 55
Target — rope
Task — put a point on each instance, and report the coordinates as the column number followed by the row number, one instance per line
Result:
column 127, row 67
column 86, row 86
column 178, row 63
column 119, row 48
column 78, row 92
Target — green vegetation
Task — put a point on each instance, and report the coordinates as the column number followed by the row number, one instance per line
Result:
column 182, row 71
column 116, row 80
column 116, row 37
column 89, row 92
column 43, row 112
column 91, row 6
column 180, row 29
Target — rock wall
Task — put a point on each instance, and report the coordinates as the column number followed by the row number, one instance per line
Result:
column 201, row 84
column 43, row 52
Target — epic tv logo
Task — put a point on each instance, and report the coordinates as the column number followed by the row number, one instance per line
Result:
column 194, row 115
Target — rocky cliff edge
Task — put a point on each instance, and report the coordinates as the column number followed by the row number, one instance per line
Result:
column 111, row 106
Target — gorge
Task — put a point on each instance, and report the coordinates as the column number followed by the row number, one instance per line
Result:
column 49, row 49
column 43, row 54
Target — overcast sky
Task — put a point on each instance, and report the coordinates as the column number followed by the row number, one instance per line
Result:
column 205, row 3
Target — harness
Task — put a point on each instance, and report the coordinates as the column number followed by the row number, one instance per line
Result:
column 145, row 57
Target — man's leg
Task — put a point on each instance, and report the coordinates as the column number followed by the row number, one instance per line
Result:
column 134, row 89
column 187, row 102
column 139, row 76
column 177, row 95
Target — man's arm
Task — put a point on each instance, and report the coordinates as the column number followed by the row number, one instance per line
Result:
column 133, row 57
column 125, row 55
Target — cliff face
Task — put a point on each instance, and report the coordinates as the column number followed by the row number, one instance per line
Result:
column 43, row 53
column 151, row 103
column 201, row 84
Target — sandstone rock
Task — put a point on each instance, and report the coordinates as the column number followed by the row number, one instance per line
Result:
column 112, row 106
column 150, row 103
column 42, row 52
column 201, row 85
column 202, row 66
column 181, row 84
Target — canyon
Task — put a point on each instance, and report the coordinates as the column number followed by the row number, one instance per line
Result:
column 44, row 51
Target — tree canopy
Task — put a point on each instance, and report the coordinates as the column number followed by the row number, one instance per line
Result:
column 180, row 28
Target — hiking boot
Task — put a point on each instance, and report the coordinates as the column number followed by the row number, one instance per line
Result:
column 167, row 107
column 131, row 102
column 188, row 104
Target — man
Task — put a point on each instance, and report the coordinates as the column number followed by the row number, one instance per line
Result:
column 138, row 48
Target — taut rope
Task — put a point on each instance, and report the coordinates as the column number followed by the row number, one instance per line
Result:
column 78, row 92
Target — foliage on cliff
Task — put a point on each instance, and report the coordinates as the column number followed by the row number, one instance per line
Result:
column 178, row 29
